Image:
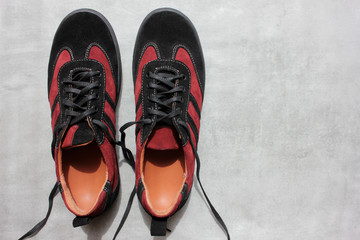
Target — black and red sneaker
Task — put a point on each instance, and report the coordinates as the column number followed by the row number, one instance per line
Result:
column 83, row 88
column 169, row 82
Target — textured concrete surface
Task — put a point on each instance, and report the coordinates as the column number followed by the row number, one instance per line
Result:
column 280, row 127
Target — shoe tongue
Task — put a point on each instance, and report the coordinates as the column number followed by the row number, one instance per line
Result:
column 164, row 138
column 78, row 135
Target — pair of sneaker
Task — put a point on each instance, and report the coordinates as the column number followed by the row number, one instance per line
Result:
column 84, row 84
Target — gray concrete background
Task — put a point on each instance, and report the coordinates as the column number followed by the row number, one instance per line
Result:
column 280, row 127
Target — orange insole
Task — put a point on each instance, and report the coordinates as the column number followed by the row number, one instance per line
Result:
column 164, row 174
column 85, row 174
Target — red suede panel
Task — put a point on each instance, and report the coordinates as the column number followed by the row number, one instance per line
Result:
column 149, row 55
column 183, row 56
column 97, row 54
column 190, row 164
column 116, row 177
column 99, row 205
column 67, row 142
column 110, row 112
column 192, row 136
column 111, row 134
column 110, row 161
column 138, row 148
column 145, row 203
column 194, row 116
column 64, row 57
column 139, row 113
column 108, row 152
column 55, row 115
column 138, row 155
column 115, row 171
column 163, row 138
column 56, row 164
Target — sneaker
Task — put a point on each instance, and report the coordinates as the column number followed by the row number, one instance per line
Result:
column 83, row 89
column 169, row 82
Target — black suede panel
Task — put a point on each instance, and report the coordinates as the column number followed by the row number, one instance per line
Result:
column 56, row 100
column 138, row 104
column 80, row 29
column 110, row 101
column 168, row 28
column 193, row 127
column 137, row 129
column 83, row 134
column 195, row 104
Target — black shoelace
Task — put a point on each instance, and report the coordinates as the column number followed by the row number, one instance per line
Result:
column 165, row 96
column 79, row 91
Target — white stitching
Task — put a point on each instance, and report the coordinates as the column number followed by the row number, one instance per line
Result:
column 138, row 64
column 107, row 57
column 144, row 49
column 58, row 54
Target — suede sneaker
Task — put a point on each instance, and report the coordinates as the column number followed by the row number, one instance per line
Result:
column 83, row 89
column 169, row 83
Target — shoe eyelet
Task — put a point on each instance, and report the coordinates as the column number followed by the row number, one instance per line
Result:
column 181, row 99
